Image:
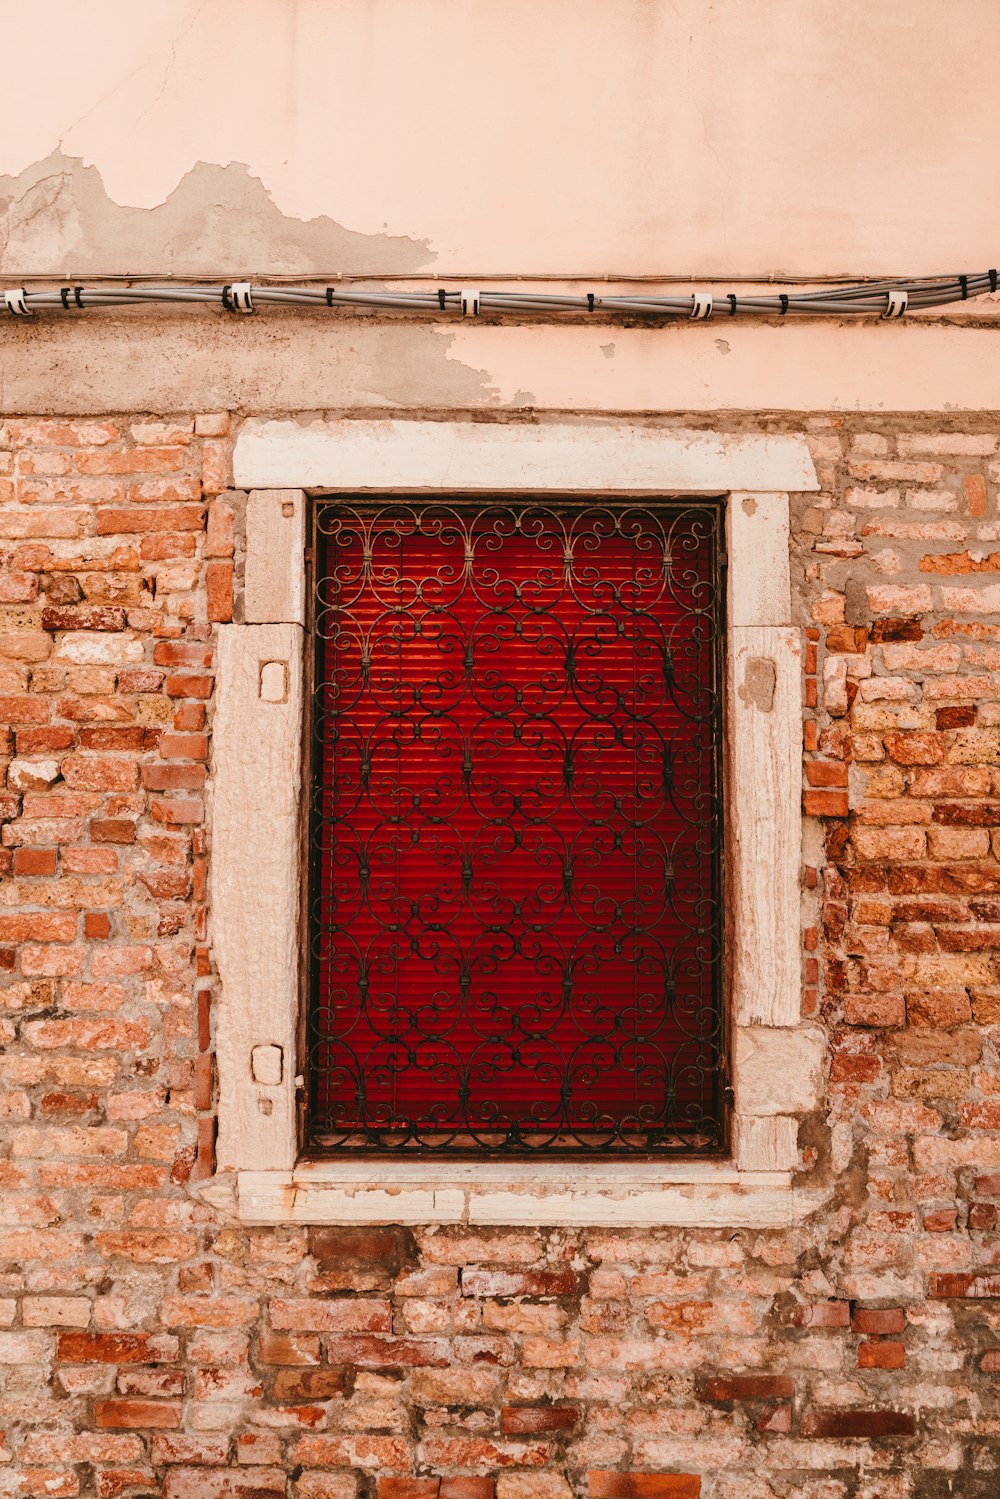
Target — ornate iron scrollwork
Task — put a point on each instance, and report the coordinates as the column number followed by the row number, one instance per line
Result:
column 515, row 885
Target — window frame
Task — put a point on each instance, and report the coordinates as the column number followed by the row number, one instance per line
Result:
column 258, row 906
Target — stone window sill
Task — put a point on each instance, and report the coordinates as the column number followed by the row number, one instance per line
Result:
column 695, row 1194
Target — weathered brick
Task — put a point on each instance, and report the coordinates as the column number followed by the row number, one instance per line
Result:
column 137, row 1414
column 607, row 1485
column 532, row 1420
column 481, row 1283
column 868, row 1424
column 723, row 1388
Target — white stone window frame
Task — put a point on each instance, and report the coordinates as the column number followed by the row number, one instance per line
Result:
column 257, row 826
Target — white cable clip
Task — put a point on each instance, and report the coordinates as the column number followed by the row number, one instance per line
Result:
column 236, row 297
column 702, row 305
column 895, row 304
column 15, row 303
column 470, row 302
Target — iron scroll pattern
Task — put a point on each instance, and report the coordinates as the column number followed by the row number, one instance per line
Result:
column 516, row 824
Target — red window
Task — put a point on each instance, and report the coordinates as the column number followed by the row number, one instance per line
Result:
column 515, row 887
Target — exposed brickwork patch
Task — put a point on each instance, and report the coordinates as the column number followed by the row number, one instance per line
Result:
column 152, row 1347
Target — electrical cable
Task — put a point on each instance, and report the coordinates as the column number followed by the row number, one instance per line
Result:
column 888, row 299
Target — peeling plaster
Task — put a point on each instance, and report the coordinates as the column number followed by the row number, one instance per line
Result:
column 57, row 217
column 205, row 359
column 759, row 683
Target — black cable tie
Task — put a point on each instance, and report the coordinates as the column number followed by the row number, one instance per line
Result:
column 731, row 299
column 64, row 297
column 590, row 301
column 227, row 300
column 78, row 295
column 993, row 280
column 329, row 296
column 441, row 297
column 783, row 299
column 963, row 282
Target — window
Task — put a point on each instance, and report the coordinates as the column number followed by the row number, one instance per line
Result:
column 269, row 1171
column 516, row 906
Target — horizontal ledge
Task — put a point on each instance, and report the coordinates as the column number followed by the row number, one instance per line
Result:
column 331, row 1193
column 596, row 457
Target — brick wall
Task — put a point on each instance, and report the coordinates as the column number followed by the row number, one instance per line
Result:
column 149, row 1346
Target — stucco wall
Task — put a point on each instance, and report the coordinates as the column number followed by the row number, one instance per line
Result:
column 508, row 137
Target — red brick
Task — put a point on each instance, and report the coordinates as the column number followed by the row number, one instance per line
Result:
column 975, row 495
column 17, row 587
column 388, row 1247
column 219, row 530
column 507, row 1283
column 116, row 1348
column 137, row 1414
column 389, row 1352
column 878, row 1010
column 533, row 1420
column 465, row 1486
column 881, row 1355
column 954, row 718
column 219, row 591
column 392, row 1487
column 964, row 1284
column 178, row 811
column 161, row 777
column 878, row 1320
column 137, row 522
column 310, row 1384
column 15, row 710
column 189, row 717
column 724, row 1388
column 826, row 772
column 866, row 1424
column 114, row 737
column 825, row 803
column 889, row 629
column 84, row 617
column 132, row 461
column 846, row 639
column 913, row 748
column 34, row 861
column 183, row 746
column 112, row 830
column 289, row 1348
column 823, row 1314
column 210, row 1451
column 182, row 653
column 44, row 741
column 982, row 1217
column 208, row 1311
column 38, row 926
column 164, row 545
column 188, row 685
column 342, row 1314
column 643, row 1485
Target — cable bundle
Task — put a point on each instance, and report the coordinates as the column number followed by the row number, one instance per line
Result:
column 883, row 299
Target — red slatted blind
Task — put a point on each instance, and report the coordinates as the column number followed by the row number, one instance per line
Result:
column 515, row 905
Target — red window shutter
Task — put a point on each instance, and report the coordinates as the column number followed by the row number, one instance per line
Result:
column 516, row 912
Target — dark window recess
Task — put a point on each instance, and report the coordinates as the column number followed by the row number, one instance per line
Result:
column 516, row 913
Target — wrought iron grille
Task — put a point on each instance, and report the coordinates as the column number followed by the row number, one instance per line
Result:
column 516, row 914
